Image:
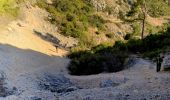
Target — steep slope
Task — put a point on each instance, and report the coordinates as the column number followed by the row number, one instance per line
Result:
column 22, row 70
column 20, row 33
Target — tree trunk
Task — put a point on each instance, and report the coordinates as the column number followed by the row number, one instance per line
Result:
column 143, row 27
column 143, row 20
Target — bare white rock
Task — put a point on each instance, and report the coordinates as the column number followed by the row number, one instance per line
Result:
column 166, row 61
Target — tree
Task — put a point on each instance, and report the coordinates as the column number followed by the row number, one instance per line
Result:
column 138, row 13
column 143, row 9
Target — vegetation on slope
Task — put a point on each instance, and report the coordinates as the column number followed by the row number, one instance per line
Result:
column 9, row 7
column 157, row 8
column 73, row 17
column 112, row 59
column 140, row 11
column 99, row 59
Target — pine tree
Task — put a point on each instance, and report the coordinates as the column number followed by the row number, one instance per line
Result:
column 138, row 13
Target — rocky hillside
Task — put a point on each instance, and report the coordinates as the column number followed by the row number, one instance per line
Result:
column 37, row 35
column 96, row 22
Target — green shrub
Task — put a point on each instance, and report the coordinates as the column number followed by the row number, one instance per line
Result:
column 110, row 35
column 71, row 16
column 111, row 59
column 155, row 8
column 109, row 9
column 8, row 7
column 86, row 63
column 158, row 8
column 97, row 21
column 152, row 54
column 74, row 29
column 136, row 28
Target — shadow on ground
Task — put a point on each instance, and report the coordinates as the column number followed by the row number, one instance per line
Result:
column 24, row 68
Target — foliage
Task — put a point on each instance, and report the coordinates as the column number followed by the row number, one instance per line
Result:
column 104, row 58
column 73, row 17
column 100, row 59
column 158, row 8
column 155, row 29
column 151, row 45
column 155, row 8
column 109, row 10
column 97, row 21
column 136, row 28
column 8, row 7
column 70, row 15
column 110, row 35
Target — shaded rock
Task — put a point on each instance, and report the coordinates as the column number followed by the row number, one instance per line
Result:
column 48, row 37
column 108, row 83
column 54, row 40
column 20, row 25
column 130, row 61
column 57, row 83
column 115, row 81
column 35, row 98
column 5, row 90
column 166, row 62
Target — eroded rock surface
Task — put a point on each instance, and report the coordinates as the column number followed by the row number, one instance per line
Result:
column 166, row 61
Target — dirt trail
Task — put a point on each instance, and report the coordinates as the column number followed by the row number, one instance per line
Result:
column 140, row 82
column 31, row 75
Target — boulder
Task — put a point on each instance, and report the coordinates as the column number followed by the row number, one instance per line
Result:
column 113, row 82
column 166, row 61
column 57, row 83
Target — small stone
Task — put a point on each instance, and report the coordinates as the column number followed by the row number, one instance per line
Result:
column 136, row 91
column 127, row 95
column 19, row 24
column 35, row 98
column 10, row 29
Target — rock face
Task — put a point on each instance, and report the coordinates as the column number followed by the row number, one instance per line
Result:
column 99, row 4
column 113, row 7
column 166, row 61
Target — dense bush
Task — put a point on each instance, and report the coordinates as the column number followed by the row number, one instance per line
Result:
column 111, row 59
column 97, row 21
column 99, row 59
column 73, row 17
column 155, row 8
column 9, row 7
column 158, row 8
column 150, row 46
column 94, row 64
